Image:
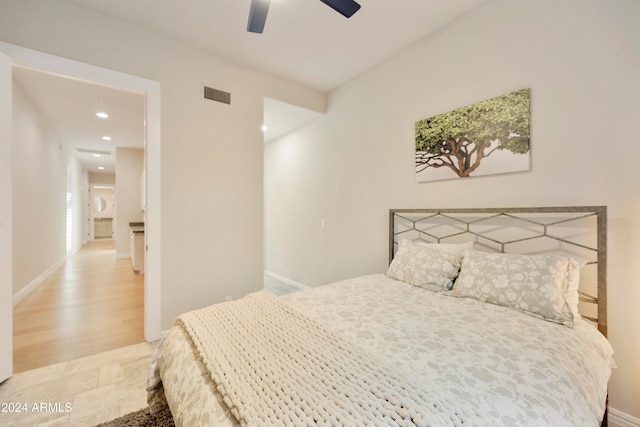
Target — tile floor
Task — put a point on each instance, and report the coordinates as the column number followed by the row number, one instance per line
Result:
column 277, row 286
column 80, row 392
column 86, row 391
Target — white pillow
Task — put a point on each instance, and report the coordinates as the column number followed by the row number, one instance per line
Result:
column 457, row 248
column 423, row 266
column 573, row 279
column 535, row 284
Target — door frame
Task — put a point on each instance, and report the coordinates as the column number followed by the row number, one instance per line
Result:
column 6, row 228
column 44, row 62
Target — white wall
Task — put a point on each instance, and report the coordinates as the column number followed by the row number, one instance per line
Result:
column 581, row 59
column 6, row 291
column 85, row 206
column 212, row 154
column 39, row 188
column 129, row 167
column 78, row 192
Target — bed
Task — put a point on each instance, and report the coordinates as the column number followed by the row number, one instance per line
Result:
column 475, row 322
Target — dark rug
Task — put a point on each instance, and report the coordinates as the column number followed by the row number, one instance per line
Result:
column 142, row 418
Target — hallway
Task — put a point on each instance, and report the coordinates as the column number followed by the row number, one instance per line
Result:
column 92, row 303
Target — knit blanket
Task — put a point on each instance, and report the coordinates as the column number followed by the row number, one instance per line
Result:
column 274, row 366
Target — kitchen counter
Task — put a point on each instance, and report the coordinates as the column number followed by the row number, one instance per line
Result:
column 136, row 227
column 137, row 246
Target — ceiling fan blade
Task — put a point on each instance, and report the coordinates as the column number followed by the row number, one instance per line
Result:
column 258, row 15
column 345, row 7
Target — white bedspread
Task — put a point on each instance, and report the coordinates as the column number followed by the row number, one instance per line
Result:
column 515, row 369
column 274, row 366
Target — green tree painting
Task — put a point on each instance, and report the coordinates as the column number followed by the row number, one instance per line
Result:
column 461, row 140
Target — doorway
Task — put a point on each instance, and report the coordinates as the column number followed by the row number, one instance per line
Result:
column 102, row 212
column 19, row 56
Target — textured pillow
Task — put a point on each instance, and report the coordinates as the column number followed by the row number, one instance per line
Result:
column 535, row 284
column 573, row 279
column 457, row 248
column 424, row 267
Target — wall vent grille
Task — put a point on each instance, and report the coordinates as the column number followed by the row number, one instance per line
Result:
column 217, row 95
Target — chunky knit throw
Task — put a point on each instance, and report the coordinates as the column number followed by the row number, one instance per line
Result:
column 274, row 366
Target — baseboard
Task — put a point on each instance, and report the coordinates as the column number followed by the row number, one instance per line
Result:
column 622, row 419
column 22, row 293
column 285, row 280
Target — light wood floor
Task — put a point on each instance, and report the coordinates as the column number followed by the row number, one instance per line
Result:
column 93, row 303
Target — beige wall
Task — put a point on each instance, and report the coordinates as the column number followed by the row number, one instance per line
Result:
column 581, row 59
column 129, row 167
column 212, row 154
column 102, row 178
column 38, row 200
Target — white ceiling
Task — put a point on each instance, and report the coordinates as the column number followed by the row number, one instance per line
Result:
column 70, row 107
column 304, row 41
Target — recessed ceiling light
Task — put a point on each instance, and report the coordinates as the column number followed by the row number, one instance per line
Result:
column 101, row 167
column 96, row 155
column 106, row 138
column 102, row 115
column 264, row 128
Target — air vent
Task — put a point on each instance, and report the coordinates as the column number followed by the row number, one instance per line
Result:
column 217, row 95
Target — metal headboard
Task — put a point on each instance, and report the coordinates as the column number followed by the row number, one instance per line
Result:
column 573, row 230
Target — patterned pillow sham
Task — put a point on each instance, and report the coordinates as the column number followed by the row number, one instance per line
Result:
column 573, row 279
column 534, row 284
column 423, row 266
column 458, row 248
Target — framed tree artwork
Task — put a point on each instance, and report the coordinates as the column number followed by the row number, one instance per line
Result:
column 490, row 137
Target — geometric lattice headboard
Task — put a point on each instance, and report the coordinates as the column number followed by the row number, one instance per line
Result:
column 570, row 231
